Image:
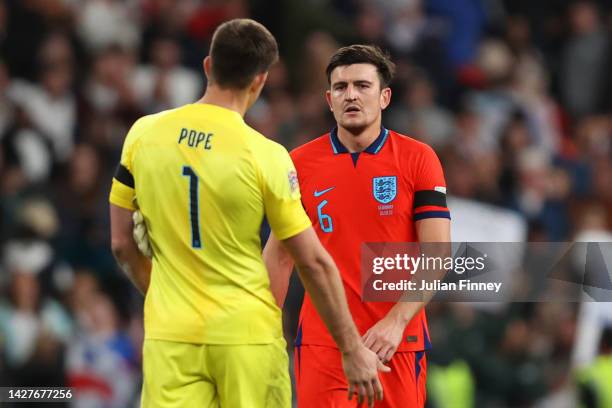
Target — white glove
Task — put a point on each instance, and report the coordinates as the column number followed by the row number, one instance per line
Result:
column 141, row 237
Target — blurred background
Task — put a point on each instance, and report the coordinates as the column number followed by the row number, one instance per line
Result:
column 515, row 96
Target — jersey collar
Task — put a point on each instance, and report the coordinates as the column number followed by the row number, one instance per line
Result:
column 373, row 148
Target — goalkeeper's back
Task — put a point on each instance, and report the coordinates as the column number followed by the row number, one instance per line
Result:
column 203, row 180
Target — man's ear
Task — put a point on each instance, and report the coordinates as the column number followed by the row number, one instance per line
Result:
column 258, row 82
column 208, row 67
column 385, row 98
column 328, row 99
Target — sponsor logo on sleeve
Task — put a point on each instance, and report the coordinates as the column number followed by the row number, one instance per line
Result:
column 293, row 181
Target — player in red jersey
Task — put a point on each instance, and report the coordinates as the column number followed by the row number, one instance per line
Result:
column 363, row 183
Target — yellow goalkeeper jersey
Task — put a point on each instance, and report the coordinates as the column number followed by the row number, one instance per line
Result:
column 204, row 180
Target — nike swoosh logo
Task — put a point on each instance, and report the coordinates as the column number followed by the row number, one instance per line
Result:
column 320, row 193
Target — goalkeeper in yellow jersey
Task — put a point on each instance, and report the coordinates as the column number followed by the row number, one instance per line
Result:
column 203, row 181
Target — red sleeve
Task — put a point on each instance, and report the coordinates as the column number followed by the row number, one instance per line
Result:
column 294, row 158
column 299, row 160
column 429, row 188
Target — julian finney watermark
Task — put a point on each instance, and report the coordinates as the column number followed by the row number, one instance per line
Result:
column 412, row 264
column 436, row 285
column 483, row 272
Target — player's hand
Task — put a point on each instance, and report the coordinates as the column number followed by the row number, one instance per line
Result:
column 140, row 234
column 361, row 368
column 385, row 337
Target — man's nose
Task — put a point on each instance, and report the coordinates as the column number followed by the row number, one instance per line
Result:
column 350, row 93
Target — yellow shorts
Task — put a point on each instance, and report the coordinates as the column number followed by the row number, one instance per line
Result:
column 184, row 375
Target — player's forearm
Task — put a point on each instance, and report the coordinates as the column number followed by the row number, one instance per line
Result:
column 322, row 281
column 280, row 265
column 434, row 235
column 405, row 311
column 134, row 264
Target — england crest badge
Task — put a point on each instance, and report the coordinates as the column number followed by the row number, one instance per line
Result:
column 384, row 188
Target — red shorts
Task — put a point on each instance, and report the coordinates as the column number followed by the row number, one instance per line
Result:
column 321, row 383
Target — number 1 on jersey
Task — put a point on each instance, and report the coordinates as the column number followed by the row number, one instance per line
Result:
column 194, row 213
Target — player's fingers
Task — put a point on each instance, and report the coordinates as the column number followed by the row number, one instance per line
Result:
column 370, row 390
column 377, row 346
column 350, row 391
column 362, row 393
column 378, row 389
column 368, row 339
column 388, row 355
column 382, row 353
column 382, row 367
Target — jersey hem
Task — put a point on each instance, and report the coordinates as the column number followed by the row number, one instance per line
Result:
column 401, row 349
column 121, row 195
column 119, row 202
column 199, row 340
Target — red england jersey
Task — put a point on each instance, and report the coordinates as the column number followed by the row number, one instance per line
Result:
column 372, row 196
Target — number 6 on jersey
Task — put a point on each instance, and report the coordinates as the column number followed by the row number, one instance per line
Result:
column 194, row 213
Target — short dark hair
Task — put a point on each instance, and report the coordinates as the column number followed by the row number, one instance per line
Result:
column 240, row 49
column 363, row 54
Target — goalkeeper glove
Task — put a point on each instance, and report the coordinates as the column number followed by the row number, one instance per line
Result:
column 140, row 234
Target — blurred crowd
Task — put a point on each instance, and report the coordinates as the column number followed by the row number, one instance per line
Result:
column 514, row 96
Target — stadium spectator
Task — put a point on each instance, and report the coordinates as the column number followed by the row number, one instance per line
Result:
column 35, row 329
column 418, row 114
column 101, row 359
column 164, row 83
column 585, row 60
column 104, row 23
